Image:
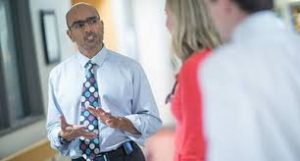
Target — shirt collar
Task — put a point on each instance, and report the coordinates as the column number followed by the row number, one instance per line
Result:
column 97, row 59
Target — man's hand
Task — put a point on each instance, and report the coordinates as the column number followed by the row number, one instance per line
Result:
column 70, row 132
column 100, row 113
column 114, row 122
column 105, row 117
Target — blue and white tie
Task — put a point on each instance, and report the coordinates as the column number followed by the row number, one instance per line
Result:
column 89, row 147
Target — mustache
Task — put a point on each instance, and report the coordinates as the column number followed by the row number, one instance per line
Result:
column 89, row 34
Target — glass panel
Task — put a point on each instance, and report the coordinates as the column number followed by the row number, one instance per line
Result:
column 3, row 118
column 9, row 66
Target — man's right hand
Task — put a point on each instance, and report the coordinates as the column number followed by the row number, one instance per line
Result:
column 70, row 132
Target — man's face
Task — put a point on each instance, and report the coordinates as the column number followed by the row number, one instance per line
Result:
column 85, row 28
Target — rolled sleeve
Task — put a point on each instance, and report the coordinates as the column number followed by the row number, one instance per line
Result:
column 146, row 125
column 145, row 116
column 55, row 142
column 53, row 121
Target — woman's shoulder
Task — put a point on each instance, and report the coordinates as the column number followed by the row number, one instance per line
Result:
column 193, row 61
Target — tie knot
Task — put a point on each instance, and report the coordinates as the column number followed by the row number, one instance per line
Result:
column 89, row 65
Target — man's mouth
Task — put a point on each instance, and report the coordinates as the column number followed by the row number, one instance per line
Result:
column 90, row 37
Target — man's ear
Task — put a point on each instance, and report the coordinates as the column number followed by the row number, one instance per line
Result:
column 69, row 33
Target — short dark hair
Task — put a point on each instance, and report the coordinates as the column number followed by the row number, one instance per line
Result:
column 252, row 6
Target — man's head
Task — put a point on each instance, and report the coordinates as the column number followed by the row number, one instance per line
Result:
column 85, row 28
column 227, row 14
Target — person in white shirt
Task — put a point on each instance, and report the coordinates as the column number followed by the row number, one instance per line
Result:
column 251, row 85
column 96, row 78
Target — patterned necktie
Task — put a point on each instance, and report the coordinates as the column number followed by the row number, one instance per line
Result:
column 90, row 97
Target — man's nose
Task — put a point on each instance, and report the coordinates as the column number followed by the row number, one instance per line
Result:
column 87, row 27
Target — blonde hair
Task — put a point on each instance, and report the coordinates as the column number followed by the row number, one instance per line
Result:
column 192, row 27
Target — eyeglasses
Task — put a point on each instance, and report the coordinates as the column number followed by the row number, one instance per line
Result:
column 81, row 24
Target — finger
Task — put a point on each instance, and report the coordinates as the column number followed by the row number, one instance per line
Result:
column 90, row 108
column 75, row 128
column 63, row 122
column 96, row 108
column 100, row 110
column 80, row 127
column 88, row 135
column 69, row 128
column 95, row 111
column 103, row 116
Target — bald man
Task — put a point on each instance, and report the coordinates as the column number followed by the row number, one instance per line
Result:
column 100, row 102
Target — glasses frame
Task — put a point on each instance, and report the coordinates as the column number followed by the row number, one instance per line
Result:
column 81, row 24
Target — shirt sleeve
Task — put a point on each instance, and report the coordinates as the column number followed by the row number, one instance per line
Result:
column 53, row 120
column 145, row 115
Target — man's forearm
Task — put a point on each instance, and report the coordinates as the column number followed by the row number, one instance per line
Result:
column 126, row 125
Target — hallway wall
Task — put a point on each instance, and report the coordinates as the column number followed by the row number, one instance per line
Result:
column 21, row 138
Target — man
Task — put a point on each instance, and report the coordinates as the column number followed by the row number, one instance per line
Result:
column 251, row 85
column 98, row 80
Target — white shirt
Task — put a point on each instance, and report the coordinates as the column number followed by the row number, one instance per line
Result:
column 123, row 90
column 251, row 92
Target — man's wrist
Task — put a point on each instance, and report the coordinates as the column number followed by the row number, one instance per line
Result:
column 128, row 126
column 62, row 140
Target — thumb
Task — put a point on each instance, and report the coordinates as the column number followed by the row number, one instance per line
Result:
column 63, row 122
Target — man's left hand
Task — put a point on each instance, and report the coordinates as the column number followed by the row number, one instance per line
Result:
column 112, row 121
column 105, row 117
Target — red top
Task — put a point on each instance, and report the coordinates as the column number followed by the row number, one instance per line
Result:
column 187, row 109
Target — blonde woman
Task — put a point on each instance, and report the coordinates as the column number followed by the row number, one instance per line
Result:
column 193, row 38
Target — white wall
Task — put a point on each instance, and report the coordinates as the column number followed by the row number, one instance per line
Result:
column 60, row 8
column 152, row 42
column 21, row 138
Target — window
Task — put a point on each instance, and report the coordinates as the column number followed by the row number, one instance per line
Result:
column 20, row 92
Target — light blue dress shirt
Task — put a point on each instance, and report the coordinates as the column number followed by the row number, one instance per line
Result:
column 123, row 90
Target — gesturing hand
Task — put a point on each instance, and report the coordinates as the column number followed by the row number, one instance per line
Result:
column 114, row 122
column 70, row 132
column 106, row 118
